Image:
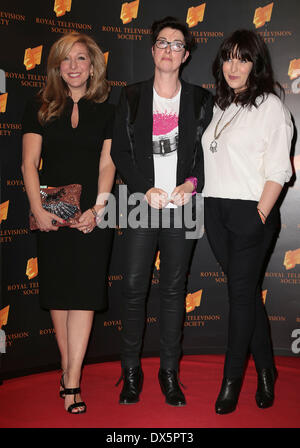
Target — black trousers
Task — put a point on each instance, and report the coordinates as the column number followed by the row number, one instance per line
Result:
column 241, row 244
column 175, row 255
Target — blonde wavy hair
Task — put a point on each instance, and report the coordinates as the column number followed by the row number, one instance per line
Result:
column 55, row 93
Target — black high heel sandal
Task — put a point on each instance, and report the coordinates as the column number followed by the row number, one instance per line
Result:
column 62, row 384
column 80, row 404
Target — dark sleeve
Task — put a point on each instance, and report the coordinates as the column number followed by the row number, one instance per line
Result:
column 109, row 122
column 122, row 153
column 30, row 122
column 198, row 170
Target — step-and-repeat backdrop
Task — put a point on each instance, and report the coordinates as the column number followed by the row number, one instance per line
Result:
column 122, row 30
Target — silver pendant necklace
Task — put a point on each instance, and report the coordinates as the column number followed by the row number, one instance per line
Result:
column 214, row 143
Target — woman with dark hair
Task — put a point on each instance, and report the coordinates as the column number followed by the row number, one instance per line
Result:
column 172, row 22
column 69, row 126
column 246, row 159
column 159, row 156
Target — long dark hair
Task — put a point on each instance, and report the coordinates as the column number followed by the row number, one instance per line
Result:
column 245, row 45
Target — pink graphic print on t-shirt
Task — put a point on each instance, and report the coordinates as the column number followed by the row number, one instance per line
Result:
column 164, row 123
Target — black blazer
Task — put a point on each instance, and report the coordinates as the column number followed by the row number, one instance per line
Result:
column 135, row 164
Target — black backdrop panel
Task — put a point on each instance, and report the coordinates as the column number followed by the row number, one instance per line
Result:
column 30, row 338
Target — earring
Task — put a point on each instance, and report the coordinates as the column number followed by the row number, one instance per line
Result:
column 92, row 75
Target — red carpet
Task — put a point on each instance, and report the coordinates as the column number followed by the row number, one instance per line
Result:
column 33, row 401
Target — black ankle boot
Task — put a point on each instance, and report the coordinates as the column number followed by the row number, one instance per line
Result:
column 168, row 380
column 265, row 387
column 228, row 396
column 133, row 381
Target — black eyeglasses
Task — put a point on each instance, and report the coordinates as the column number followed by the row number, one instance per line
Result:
column 176, row 45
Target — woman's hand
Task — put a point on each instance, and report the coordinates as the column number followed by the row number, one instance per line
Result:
column 45, row 220
column 86, row 222
column 182, row 194
column 99, row 209
column 268, row 199
column 157, row 198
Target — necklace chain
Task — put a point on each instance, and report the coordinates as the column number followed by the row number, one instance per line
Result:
column 214, row 143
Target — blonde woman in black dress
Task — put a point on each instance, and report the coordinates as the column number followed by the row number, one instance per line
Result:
column 69, row 125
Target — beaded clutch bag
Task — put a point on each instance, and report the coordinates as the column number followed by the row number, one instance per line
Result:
column 62, row 201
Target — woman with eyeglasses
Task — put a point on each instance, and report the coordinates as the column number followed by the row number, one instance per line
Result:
column 157, row 152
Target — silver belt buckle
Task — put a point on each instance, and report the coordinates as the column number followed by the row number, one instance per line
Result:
column 162, row 147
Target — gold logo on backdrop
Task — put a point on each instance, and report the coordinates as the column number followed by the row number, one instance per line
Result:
column 195, row 15
column 3, row 211
column 4, row 316
column 129, row 11
column 32, row 57
column 292, row 257
column 61, row 7
column 264, row 295
column 263, row 15
column 3, row 102
column 294, row 69
column 32, row 268
column 106, row 57
column 157, row 261
column 193, row 300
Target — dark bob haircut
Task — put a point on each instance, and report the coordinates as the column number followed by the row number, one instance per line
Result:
column 245, row 45
column 172, row 22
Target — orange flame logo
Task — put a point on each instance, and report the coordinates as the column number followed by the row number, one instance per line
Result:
column 4, row 316
column 3, row 102
column 193, row 300
column 32, row 57
column 264, row 295
column 291, row 258
column 61, row 7
column 294, row 69
column 106, row 57
column 129, row 11
column 32, row 268
column 157, row 261
column 195, row 15
column 263, row 15
column 3, row 211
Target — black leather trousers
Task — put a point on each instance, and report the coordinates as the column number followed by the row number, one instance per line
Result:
column 175, row 255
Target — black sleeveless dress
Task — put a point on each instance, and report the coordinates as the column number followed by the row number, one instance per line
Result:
column 72, row 265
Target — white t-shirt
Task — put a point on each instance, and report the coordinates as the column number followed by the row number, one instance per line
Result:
column 252, row 149
column 165, row 126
